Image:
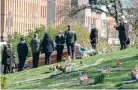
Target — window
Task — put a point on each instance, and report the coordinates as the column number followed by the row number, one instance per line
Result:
column 41, row 11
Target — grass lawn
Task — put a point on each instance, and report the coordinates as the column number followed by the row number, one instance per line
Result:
column 128, row 59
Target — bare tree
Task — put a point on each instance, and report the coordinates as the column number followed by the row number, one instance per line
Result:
column 114, row 8
column 132, row 16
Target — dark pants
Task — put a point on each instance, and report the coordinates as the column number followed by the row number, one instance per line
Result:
column 59, row 52
column 47, row 58
column 93, row 46
column 123, row 44
column 35, row 59
column 70, row 47
column 21, row 63
column 6, row 68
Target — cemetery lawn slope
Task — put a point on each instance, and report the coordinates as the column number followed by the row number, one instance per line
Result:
column 39, row 78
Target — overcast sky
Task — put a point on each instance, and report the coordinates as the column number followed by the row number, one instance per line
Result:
column 126, row 3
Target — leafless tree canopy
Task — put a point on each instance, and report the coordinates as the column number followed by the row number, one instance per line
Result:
column 67, row 12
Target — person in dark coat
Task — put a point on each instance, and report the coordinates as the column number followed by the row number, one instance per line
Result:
column 94, row 37
column 22, row 50
column 35, row 47
column 60, row 41
column 6, row 59
column 123, row 34
column 48, row 48
column 70, row 37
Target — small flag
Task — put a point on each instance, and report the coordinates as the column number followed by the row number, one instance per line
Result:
column 83, row 77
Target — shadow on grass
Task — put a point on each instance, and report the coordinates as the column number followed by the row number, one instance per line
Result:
column 45, row 72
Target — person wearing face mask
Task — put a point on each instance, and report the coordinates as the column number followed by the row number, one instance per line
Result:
column 60, row 41
column 123, row 33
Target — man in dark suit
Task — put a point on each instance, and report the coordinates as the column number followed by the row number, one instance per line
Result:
column 94, row 37
column 70, row 37
column 123, row 33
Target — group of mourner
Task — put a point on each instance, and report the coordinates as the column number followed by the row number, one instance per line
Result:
column 47, row 46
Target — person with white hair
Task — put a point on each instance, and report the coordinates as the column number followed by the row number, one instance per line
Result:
column 123, row 29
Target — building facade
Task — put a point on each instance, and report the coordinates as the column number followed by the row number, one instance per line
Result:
column 22, row 16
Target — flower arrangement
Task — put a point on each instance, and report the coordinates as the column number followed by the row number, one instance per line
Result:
column 134, row 73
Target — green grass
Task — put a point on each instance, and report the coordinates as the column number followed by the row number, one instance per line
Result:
column 128, row 59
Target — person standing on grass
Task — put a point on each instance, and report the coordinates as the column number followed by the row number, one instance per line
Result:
column 6, row 59
column 48, row 48
column 60, row 41
column 35, row 47
column 70, row 37
column 123, row 33
column 22, row 50
column 94, row 37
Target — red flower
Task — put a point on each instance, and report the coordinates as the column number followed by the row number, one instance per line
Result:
column 118, row 63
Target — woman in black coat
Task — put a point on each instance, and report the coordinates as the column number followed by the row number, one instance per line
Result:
column 48, row 48
column 60, row 41
column 6, row 59
column 22, row 50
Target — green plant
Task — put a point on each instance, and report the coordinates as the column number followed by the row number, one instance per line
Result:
column 3, row 82
column 99, row 79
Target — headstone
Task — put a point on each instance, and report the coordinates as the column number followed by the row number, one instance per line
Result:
column 129, row 81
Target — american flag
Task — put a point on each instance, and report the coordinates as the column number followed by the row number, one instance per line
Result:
column 83, row 77
column 107, row 70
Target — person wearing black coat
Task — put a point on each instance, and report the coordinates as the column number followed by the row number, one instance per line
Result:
column 70, row 37
column 6, row 59
column 22, row 50
column 60, row 41
column 48, row 48
column 94, row 37
column 123, row 34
